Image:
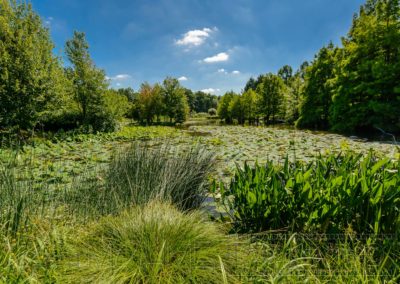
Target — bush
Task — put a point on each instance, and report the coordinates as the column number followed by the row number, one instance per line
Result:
column 332, row 194
column 154, row 244
column 212, row 112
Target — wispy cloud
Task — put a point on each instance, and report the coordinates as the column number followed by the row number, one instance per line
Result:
column 222, row 70
column 48, row 21
column 210, row 91
column 195, row 37
column 220, row 57
column 236, row 72
column 120, row 77
column 183, row 78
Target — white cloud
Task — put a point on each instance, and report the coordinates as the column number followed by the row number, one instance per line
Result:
column 195, row 37
column 236, row 72
column 210, row 91
column 220, row 57
column 183, row 78
column 119, row 77
column 222, row 70
column 48, row 21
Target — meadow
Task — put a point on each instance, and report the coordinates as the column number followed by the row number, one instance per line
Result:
column 199, row 204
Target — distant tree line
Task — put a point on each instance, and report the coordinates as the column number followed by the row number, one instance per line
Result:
column 353, row 88
column 268, row 99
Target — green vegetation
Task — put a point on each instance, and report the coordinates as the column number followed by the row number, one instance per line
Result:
column 87, row 196
column 140, row 174
column 330, row 195
column 49, row 218
column 154, row 244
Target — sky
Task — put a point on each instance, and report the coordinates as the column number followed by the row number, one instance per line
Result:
column 210, row 45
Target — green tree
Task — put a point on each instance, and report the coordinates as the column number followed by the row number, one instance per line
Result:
column 286, row 73
column 318, row 89
column 249, row 102
column 90, row 84
column 368, row 93
column 236, row 109
column 175, row 100
column 32, row 83
column 223, row 106
column 118, row 105
column 271, row 91
column 150, row 102
column 293, row 99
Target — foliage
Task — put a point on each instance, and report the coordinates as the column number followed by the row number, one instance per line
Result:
column 140, row 174
column 236, row 109
column 153, row 244
column 212, row 112
column 150, row 102
column 175, row 100
column 318, row 90
column 368, row 89
column 200, row 101
column 223, row 107
column 32, row 83
column 89, row 84
column 302, row 258
column 329, row 195
column 271, row 91
column 117, row 104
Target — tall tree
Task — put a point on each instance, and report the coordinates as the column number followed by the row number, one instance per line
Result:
column 286, row 73
column 31, row 77
column 271, row 91
column 318, row 90
column 175, row 100
column 368, row 93
column 249, row 102
column 223, row 106
column 150, row 102
column 89, row 84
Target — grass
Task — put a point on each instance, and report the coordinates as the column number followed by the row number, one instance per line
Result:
column 153, row 244
column 70, row 193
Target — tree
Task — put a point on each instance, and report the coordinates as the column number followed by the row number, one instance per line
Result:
column 223, row 106
column 368, row 93
column 249, row 102
column 150, row 102
column 318, row 90
column 118, row 105
column 89, row 85
column 236, row 109
column 250, row 85
column 293, row 99
column 271, row 91
column 32, row 83
column 286, row 73
column 175, row 100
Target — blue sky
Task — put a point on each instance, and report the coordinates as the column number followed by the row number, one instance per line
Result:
column 212, row 45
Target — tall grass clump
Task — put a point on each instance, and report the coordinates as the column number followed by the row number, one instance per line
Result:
column 141, row 173
column 155, row 243
column 332, row 194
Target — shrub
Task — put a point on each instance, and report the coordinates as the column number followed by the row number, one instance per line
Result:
column 329, row 195
column 212, row 112
column 154, row 244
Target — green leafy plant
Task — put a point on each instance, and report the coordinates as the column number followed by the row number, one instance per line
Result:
column 333, row 194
